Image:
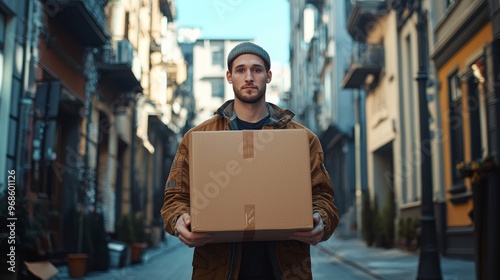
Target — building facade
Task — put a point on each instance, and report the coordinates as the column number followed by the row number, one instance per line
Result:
column 424, row 74
column 93, row 101
column 464, row 72
column 321, row 45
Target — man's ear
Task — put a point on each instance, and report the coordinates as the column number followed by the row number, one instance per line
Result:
column 269, row 76
column 229, row 77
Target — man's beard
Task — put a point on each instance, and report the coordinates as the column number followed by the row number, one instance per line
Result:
column 249, row 98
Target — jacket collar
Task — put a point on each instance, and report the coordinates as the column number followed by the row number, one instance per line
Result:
column 279, row 117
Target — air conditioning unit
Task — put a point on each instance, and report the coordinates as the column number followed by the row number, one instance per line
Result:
column 124, row 52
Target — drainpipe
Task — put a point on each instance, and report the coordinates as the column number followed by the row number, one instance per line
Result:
column 133, row 187
column 31, row 31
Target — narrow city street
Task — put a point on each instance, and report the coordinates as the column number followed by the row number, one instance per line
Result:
column 118, row 117
column 326, row 265
column 172, row 261
column 336, row 258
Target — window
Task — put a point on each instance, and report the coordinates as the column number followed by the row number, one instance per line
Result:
column 456, row 130
column 218, row 87
column 475, row 102
column 455, row 90
column 474, row 121
column 2, row 30
column 218, row 56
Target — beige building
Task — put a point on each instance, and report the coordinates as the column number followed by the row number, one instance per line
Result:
column 145, row 32
column 385, row 64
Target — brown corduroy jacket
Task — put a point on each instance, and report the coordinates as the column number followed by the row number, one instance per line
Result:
column 290, row 259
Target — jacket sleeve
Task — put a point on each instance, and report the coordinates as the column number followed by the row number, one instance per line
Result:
column 322, row 188
column 176, row 195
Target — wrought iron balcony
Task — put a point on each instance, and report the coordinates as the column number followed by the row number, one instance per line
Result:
column 368, row 61
column 83, row 18
column 121, row 69
column 364, row 16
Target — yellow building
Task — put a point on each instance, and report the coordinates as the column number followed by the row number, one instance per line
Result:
column 463, row 35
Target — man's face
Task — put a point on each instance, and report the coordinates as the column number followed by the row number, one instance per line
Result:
column 249, row 78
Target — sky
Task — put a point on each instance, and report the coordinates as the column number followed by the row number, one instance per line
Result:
column 265, row 21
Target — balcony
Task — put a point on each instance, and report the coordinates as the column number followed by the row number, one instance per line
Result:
column 363, row 17
column 83, row 18
column 369, row 61
column 123, row 72
column 167, row 7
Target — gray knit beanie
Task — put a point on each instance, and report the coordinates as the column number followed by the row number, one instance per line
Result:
column 251, row 48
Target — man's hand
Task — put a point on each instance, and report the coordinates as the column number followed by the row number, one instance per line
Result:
column 191, row 239
column 314, row 236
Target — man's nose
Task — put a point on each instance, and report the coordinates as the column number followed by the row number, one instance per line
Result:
column 249, row 76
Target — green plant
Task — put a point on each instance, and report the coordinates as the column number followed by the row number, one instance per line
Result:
column 387, row 216
column 410, row 233
column 30, row 227
column 96, row 244
column 125, row 230
column 401, row 228
column 139, row 229
column 476, row 169
column 411, row 230
column 367, row 220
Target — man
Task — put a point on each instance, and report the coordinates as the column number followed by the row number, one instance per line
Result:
column 249, row 73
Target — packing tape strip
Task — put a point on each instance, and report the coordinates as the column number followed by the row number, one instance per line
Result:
column 248, row 147
column 249, row 232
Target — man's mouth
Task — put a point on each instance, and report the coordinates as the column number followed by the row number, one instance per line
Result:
column 249, row 87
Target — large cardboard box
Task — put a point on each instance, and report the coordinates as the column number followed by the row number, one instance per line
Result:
column 250, row 185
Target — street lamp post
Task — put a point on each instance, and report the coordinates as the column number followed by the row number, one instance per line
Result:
column 429, row 266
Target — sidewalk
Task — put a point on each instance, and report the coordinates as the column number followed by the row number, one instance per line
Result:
column 392, row 263
column 115, row 272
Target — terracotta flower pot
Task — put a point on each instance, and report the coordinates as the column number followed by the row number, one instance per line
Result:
column 77, row 265
column 137, row 249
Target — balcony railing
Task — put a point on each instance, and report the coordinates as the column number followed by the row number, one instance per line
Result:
column 84, row 18
column 367, row 59
column 364, row 16
column 121, row 68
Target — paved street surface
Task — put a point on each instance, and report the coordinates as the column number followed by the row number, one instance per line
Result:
column 392, row 263
column 334, row 259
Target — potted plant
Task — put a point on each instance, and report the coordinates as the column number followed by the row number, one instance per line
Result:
column 77, row 262
column 476, row 169
column 125, row 233
column 139, row 244
column 125, row 230
column 98, row 248
column 77, row 265
column 92, row 246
